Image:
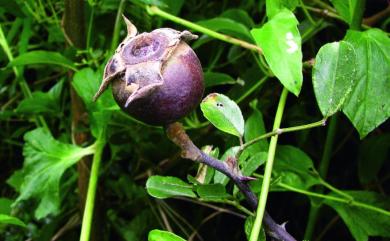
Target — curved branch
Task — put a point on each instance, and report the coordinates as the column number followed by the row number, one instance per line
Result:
column 177, row 135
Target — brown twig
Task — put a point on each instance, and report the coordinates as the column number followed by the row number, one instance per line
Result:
column 177, row 135
column 372, row 20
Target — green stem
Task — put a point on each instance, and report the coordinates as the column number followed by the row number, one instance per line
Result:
column 307, row 14
column 153, row 10
column 252, row 89
column 39, row 120
column 90, row 202
column 268, row 168
column 4, row 44
column 329, row 197
column 335, row 190
column 335, row 199
column 90, row 24
column 117, row 26
column 356, row 12
column 285, row 130
column 323, row 170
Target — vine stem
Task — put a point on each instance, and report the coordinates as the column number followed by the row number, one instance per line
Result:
column 177, row 135
column 323, row 171
column 345, row 199
column 154, row 10
column 280, row 131
column 117, row 26
column 91, row 194
column 268, row 168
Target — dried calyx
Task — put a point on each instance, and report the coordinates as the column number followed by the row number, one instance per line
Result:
column 156, row 77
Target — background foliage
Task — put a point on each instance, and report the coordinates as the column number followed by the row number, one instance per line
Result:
column 329, row 183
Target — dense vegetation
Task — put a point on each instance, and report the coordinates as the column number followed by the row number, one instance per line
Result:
column 300, row 98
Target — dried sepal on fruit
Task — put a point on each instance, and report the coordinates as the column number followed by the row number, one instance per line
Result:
column 156, row 77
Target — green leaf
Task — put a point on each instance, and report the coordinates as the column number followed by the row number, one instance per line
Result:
column 159, row 235
column 132, row 228
column 5, row 205
column 249, row 166
column 46, row 159
column 343, row 8
column 280, row 41
column 223, row 113
column 239, row 15
column 205, row 173
column 227, row 26
column 248, row 229
column 173, row 6
column 43, row 57
column 294, row 167
column 212, row 192
column 369, row 105
column 254, row 127
column 362, row 222
column 165, row 187
column 373, row 152
column 39, row 103
column 273, row 7
column 86, row 82
column 334, row 73
column 219, row 177
column 43, row 103
column 213, row 79
column 11, row 220
column 350, row 11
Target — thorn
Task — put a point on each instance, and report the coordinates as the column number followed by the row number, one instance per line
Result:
column 283, row 225
column 247, row 178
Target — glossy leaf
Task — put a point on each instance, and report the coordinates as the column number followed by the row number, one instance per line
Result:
column 43, row 57
column 368, row 105
column 212, row 192
column 46, row 159
column 280, row 41
column 334, row 74
column 214, row 78
column 294, row 167
column 6, row 219
column 159, row 235
column 273, row 7
column 166, row 187
column 362, row 222
column 223, row 113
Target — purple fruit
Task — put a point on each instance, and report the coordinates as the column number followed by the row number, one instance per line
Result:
column 156, row 77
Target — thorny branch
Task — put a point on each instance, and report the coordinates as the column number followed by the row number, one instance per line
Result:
column 177, row 135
